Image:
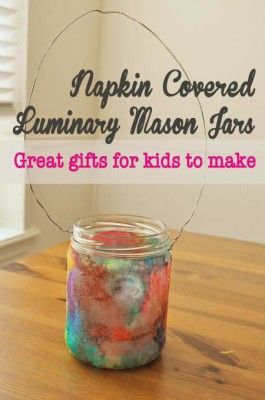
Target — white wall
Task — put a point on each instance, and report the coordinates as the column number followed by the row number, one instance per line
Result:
column 46, row 20
column 214, row 40
column 222, row 40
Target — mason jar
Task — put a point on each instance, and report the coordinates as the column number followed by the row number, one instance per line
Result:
column 117, row 290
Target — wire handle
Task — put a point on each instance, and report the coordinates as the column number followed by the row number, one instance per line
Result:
column 155, row 35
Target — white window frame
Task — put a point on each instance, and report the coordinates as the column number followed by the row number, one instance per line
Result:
column 12, row 201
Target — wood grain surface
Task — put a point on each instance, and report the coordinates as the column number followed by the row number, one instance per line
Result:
column 215, row 341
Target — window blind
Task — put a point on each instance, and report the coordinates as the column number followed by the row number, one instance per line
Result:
column 8, row 50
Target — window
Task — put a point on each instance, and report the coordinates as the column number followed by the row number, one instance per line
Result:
column 13, row 45
column 8, row 44
column 13, row 40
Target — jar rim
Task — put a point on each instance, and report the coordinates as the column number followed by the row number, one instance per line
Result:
column 154, row 235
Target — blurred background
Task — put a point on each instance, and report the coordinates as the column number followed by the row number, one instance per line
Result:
column 215, row 40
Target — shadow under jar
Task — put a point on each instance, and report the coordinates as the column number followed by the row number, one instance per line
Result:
column 117, row 290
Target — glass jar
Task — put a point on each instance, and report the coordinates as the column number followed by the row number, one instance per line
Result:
column 117, row 290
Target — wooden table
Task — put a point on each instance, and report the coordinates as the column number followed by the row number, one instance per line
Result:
column 216, row 340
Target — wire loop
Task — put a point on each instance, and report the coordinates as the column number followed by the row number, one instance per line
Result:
column 155, row 35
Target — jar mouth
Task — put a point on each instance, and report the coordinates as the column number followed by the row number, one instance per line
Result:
column 120, row 235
